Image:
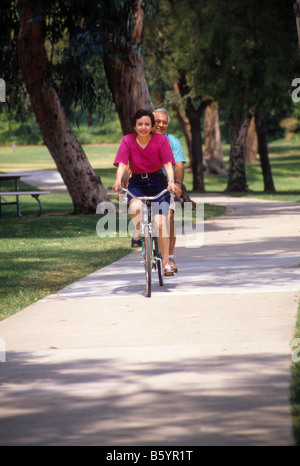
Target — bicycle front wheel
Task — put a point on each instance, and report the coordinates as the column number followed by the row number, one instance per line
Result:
column 147, row 260
column 158, row 261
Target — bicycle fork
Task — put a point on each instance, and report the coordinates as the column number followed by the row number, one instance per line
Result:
column 146, row 229
column 156, row 260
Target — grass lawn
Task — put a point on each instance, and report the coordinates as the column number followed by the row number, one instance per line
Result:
column 42, row 255
column 285, row 163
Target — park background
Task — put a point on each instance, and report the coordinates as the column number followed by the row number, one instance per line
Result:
column 236, row 58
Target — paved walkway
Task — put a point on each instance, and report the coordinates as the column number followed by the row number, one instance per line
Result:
column 205, row 361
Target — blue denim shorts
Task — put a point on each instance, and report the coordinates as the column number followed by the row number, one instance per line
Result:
column 151, row 187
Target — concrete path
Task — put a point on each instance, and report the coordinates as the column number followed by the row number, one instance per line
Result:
column 205, row 361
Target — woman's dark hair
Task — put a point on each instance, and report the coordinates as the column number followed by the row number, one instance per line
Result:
column 139, row 114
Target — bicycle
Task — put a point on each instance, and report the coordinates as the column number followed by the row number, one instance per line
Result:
column 151, row 256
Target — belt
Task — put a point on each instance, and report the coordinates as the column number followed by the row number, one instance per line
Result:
column 146, row 175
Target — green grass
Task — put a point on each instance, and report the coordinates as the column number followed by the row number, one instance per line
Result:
column 42, row 255
column 295, row 387
column 27, row 132
column 101, row 156
column 285, row 163
column 39, row 256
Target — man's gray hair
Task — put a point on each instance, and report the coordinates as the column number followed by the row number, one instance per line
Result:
column 163, row 110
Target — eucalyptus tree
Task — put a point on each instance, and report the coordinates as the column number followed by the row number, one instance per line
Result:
column 65, row 52
column 113, row 32
column 252, row 60
column 84, row 186
column 123, row 62
column 239, row 53
column 173, row 55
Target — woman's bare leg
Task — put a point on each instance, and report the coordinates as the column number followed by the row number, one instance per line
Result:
column 163, row 238
column 135, row 211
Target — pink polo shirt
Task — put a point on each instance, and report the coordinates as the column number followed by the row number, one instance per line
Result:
column 151, row 159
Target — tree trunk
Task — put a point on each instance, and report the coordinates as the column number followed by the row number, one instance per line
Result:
column 84, row 186
column 297, row 15
column 124, row 69
column 194, row 117
column 262, row 135
column 213, row 153
column 237, row 180
column 184, row 122
column 251, row 142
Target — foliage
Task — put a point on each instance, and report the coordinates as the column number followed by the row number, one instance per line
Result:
column 251, row 60
column 243, row 54
column 169, row 49
column 77, row 38
column 9, row 65
column 237, row 51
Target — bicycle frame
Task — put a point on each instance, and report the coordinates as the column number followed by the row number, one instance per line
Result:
column 150, row 250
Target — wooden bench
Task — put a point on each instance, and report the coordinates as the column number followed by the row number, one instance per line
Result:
column 17, row 194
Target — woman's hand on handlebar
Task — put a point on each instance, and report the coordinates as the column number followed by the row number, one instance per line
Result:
column 116, row 188
column 172, row 186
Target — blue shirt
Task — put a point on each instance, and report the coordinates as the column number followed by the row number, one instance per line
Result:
column 176, row 149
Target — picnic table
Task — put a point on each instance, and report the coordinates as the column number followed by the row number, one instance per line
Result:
column 15, row 177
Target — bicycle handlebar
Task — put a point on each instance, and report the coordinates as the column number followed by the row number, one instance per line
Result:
column 145, row 198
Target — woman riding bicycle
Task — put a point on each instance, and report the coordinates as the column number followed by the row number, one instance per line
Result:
column 147, row 153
